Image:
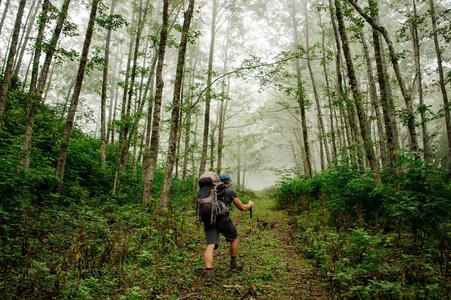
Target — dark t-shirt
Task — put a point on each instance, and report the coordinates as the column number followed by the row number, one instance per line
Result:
column 228, row 196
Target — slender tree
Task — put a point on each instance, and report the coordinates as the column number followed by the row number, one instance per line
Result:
column 407, row 95
column 26, row 36
column 222, row 109
column 103, row 100
column 427, row 151
column 357, row 95
column 173, row 133
column 374, row 100
column 300, row 94
column 208, row 95
column 151, row 153
column 442, row 81
column 5, row 13
column 38, row 87
column 142, row 16
column 43, row 18
column 328, row 90
column 75, row 97
column 8, row 73
column 322, row 131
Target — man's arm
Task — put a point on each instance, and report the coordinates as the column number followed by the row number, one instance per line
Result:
column 241, row 206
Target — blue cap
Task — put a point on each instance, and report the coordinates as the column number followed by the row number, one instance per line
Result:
column 225, row 178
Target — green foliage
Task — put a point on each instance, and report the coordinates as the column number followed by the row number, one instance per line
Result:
column 372, row 241
column 83, row 243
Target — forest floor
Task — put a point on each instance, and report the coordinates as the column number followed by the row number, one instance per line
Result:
column 274, row 266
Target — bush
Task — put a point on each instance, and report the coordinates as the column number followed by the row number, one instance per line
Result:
column 374, row 241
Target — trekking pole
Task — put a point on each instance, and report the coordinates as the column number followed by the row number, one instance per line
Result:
column 250, row 234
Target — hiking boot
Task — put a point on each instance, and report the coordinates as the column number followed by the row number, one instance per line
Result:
column 209, row 277
column 236, row 266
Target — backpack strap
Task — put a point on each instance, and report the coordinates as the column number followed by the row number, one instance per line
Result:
column 213, row 206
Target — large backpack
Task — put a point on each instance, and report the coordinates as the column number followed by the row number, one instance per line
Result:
column 209, row 204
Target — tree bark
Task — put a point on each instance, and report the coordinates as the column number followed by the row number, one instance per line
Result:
column 427, row 151
column 187, row 147
column 8, row 73
column 25, row 37
column 301, row 97
column 347, row 111
column 5, row 13
column 151, row 154
column 374, row 101
column 407, row 95
column 329, row 98
column 322, row 131
column 441, row 81
column 142, row 16
column 103, row 99
column 124, row 94
column 203, row 158
column 173, row 133
column 60, row 168
column 363, row 122
column 222, row 110
column 38, row 88
column 43, row 18
column 49, row 83
column 390, row 124
column 116, row 99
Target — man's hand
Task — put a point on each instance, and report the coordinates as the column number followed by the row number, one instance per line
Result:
column 250, row 204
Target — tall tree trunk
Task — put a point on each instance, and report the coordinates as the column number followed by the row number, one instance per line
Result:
column 43, row 18
column 188, row 121
column 5, row 13
column 49, row 83
column 151, row 154
column 38, row 87
column 406, row 94
column 363, row 122
column 222, row 111
column 441, row 81
column 126, row 139
column 26, row 36
column 173, row 133
column 390, row 124
column 374, row 101
column 8, row 73
column 347, row 111
column 116, row 98
column 322, row 131
column 300, row 94
column 124, row 94
column 112, row 106
column 75, row 97
column 328, row 92
column 427, row 151
column 203, row 158
column 103, row 99
column 212, row 144
column 179, row 131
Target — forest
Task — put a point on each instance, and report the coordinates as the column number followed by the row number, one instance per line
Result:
column 331, row 115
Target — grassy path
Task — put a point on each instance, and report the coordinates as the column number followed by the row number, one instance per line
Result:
column 274, row 269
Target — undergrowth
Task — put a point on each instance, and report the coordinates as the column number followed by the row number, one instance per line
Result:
column 369, row 241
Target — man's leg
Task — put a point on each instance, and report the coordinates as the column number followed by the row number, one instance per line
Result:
column 234, row 264
column 234, row 248
column 208, row 256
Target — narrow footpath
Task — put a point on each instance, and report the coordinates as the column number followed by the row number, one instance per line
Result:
column 274, row 266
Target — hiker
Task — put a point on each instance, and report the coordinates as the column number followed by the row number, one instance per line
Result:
column 223, row 224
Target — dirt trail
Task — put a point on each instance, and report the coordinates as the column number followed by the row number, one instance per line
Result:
column 274, row 266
